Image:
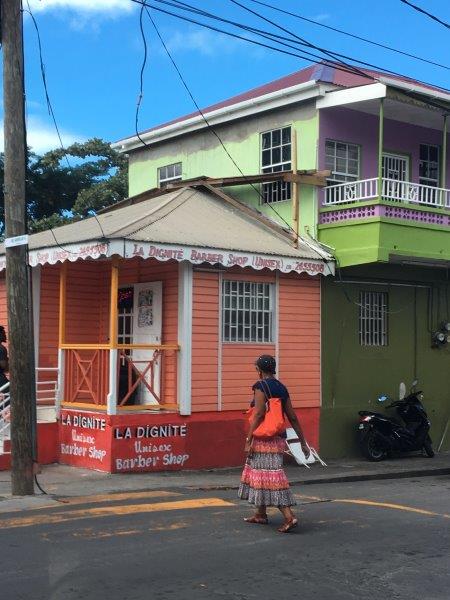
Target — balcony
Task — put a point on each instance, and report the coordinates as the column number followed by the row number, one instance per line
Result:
column 386, row 220
column 403, row 192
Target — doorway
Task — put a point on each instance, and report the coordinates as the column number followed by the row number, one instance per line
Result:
column 395, row 169
column 140, row 323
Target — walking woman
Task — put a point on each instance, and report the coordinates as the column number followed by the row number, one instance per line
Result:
column 264, row 482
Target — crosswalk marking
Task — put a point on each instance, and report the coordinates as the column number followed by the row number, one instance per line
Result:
column 116, row 497
column 108, row 511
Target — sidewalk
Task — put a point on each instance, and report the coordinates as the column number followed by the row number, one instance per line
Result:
column 60, row 481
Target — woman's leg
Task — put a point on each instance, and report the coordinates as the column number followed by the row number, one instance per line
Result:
column 290, row 520
column 260, row 516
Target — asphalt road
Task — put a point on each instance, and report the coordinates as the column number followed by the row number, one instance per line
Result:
column 384, row 540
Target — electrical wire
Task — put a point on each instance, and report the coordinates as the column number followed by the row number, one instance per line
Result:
column 351, row 35
column 331, row 55
column 52, row 113
column 326, row 62
column 44, row 81
column 421, row 10
column 236, row 36
column 270, row 36
column 210, row 127
column 141, row 80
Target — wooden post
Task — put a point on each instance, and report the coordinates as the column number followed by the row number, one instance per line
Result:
column 62, row 303
column 62, row 334
column 113, row 311
column 295, row 189
column 21, row 363
column 380, row 147
column 444, row 154
column 111, row 400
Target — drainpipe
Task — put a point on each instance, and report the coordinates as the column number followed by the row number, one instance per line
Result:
column 380, row 147
column 444, row 154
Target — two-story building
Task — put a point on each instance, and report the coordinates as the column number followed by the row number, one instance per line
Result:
column 384, row 214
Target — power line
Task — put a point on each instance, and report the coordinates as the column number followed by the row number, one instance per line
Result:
column 269, row 35
column 141, row 77
column 44, row 81
column 331, row 55
column 351, row 35
column 52, row 113
column 326, row 62
column 424, row 12
column 234, row 35
column 210, row 127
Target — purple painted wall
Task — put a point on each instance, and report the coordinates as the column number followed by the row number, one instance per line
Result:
column 360, row 128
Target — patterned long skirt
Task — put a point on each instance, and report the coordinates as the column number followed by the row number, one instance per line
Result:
column 263, row 481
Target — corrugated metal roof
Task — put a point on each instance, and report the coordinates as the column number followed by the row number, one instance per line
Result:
column 189, row 216
column 317, row 72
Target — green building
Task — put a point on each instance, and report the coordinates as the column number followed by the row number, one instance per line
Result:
column 384, row 213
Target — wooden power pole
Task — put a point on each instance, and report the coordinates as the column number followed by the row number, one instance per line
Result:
column 21, row 362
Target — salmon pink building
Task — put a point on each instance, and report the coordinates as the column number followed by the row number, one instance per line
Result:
column 148, row 319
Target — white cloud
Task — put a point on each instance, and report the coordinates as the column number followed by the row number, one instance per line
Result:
column 321, row 17
column 89, row 6
column 42, row 136
column 208, row 43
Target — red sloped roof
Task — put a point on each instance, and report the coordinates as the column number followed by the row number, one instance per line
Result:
column 317, row 72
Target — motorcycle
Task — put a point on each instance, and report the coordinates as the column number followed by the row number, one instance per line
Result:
column 381, row 436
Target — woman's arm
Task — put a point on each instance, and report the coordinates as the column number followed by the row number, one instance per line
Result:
column 258, row 417
column 293, row 420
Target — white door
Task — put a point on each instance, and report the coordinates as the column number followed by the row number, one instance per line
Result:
column 395, row 168
column 147, row 328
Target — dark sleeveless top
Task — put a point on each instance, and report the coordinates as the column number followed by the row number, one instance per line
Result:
column 276, row 389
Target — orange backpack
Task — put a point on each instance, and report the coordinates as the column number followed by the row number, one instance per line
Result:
column 273, row 423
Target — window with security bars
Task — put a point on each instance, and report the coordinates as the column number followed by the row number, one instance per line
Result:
column 247, row 311
column 276, row 155
column 342, row 159
column 373, row 318
column 169, row 173
column 429, row 165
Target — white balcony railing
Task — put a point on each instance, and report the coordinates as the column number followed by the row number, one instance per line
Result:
column 403, row 192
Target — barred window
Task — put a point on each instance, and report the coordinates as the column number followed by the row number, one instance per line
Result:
column 247, row 311
column 276, row 156
column 373, row 318
column 169, row 173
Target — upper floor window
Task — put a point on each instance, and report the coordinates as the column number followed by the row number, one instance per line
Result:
column 276, row 155
column 169, row 173
column 342, row 160
column 247, row 311
column 429, row 165
column 373, row 318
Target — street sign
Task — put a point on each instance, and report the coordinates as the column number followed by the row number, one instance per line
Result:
column 19, row 240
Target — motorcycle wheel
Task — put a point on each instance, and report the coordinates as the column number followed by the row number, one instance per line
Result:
column 428, row 447
column 371, row 447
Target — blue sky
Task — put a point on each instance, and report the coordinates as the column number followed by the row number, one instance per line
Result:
column 93, row 53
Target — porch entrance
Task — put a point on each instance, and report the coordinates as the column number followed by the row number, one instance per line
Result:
column 140, row 323
column 395, row 171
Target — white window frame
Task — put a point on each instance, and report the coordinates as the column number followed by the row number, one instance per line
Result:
column 428, row 180
column 250, row 326
column 276, row 191
column 336, row 176
column 373, row 318
column 166, row 178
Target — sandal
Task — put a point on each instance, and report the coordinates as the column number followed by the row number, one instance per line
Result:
column 257, row 520
column 288, row 526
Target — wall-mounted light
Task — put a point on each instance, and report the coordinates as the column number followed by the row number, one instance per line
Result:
column 441, row 338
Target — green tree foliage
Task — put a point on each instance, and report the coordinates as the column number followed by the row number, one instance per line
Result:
column 60, row 190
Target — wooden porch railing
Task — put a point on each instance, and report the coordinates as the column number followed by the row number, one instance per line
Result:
column 87, row 378
column 86, row 374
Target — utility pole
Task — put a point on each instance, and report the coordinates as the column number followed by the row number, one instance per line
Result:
column 21, row 359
